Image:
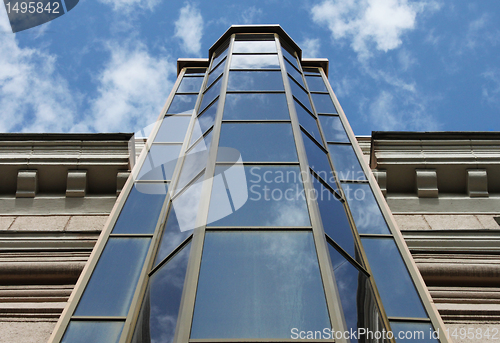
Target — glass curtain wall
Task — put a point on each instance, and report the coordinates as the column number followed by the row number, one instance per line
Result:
column 250, row 217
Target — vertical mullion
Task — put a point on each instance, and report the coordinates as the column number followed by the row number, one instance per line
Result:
column 329, row 285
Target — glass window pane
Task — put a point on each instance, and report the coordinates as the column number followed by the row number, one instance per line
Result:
column 255, row 81
column 414, row 332
column 219, row 58
column 334, row 217
column 256, row 284
column 256, row 106
column 183, row 104
column 204, row 122
column 190, row 85
column 255, row 62
column 194, row 161
column 112, row 285
column 315, row 84
column 308, row 122
column 173, row 129
column 211, row 94
column 333, row 129
column 345, row 162
column 323, row 103
column 258, row 142
column 160, row 308
column 186, row 205
column 311, row 70
column 290, row 57
column 300, row 94
column 364, row 208
column 142, row 208
column 245, row 46
column 160, row 162
column 196, row 71
column 318, row 161
column 258, row 196
column 399, row 296
column 215, row 73
column 294, row 73
column 93, row 331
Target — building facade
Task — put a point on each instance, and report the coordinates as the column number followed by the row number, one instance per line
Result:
column 253, row 215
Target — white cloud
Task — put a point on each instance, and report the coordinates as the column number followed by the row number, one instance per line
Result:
column 129, row 6
column 480, row 33
column 189, row 28
column 249, row 15
column 491, row 89
column 370, row 23
column 310, row 47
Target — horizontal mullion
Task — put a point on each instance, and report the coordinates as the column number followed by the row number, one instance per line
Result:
column 152, row 181
column 409, row 319
column 375, row 235
column 264, row 228
column 265, row 121
column 259, row 163
column 189, row 184
column 171, row 255
column 100, row 318
column 249, row 340
column 255, row 69
column 255, row 92
column 344, row 253
column 254, row 53
column 354, row 181
column 131, row 235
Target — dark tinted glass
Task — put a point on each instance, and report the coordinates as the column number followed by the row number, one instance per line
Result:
column 142, row 208
column 219, row 58
column 216, row 73
column 258, row 196
column 196, row 71
column 415, row 332
column 364, row 208
column 300, row 94
column 258, row 284
column 323, row 103
column 314, row 71
column 112, row 285
column 345, row 162
column 194, row 161
column 190, row 85
column 210, row 94
column 290, row 58
column 186, row 205
column 294, row 73
column 204, row 122
column 316, row 84
column 173, row 129
column 255, row 62
column 255, row 81
column 257, row 106
column 333, row 129
column 399, row 296
column 160, row 162
column 308, row 122
column 254, row 46
column 93, row 331
column 334, row 218
column 318, row 161
column 183, row 104
column 258, row 142
column 160, row 307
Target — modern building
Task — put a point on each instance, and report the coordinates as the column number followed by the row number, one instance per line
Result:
column 250, row 213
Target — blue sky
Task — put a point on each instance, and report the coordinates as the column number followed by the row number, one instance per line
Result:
column 109, row 65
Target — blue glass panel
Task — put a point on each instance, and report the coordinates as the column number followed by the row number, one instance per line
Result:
column 258, row 46
column 204, row 122
column 211, row 94
column 142, row 208
column 172, row 129
column 190, row 85
column 258, row 284
column 195, row 160
column 258, row 196
column 216, row 73
column 258, row 142
column 160, row 307
column 300, row 94
column 323, row 103
column 255, row 62
column 160, row 162
column 219, row 58
column 316, row 84
column 257, row 106
column 399, row 296
column 112, row 284
column 290, row 58
column 294, row 73
column 93, row 331
column 333, row 129
column 313, row 71
column 183, row 104
column 186, row 205
column 308, row 122
column 318, row 161
column 364, row 208
column 415, row 332
column 255, row 81
column 345, row 162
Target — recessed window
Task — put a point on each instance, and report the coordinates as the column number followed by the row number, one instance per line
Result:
column 255, row 81
column 256, row 106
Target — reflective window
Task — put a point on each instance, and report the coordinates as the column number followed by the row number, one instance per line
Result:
column 258, row 284
column 255, row 62
column 204, row 122
column 183, row 104
column 323, row 103
column 190, row 85
column 160, row 162
column 294, row 73
column 194, row 161
column 334, row 217
column 315, row 84
column 300, row 94
column 399, row 296
column 258, row 196
column 142, row 208
column 118, row 269
column 290, row 57
column 257, row 106
column 318, row 161
column 195, row 71
column 255, row 81
column 258, row 142
column 308, row 122
column 345, row 162
column 219, row 58
column 333, row 129
column 186, row 205
column 259, row 46
column 173, row 129
column 215, row 73
column 414, row 332
column 93, row 331
column 160, row 308
column 364, row 208
column 211, row 94
column 313, row 71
